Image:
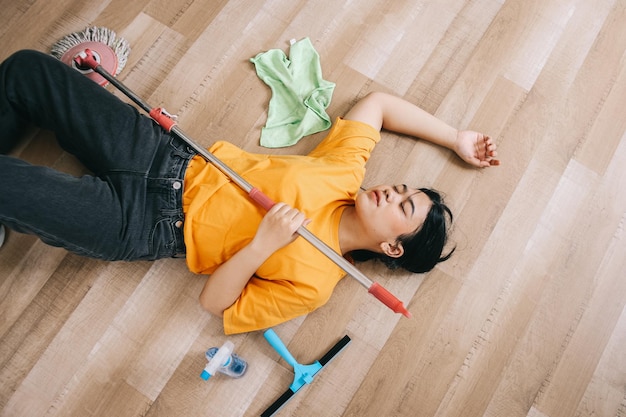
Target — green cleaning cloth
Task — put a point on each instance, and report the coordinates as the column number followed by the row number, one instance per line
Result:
column 300, row 95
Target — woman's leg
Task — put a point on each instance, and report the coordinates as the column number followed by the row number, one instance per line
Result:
column 131, row 208
column 141, row 218
column 75, row 213
column 89, row 122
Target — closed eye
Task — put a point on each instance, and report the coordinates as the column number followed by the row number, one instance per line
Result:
column 402, row 189
column 412, row 204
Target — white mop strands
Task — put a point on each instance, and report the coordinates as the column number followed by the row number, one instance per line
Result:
column 108, row 49
column 108, row 37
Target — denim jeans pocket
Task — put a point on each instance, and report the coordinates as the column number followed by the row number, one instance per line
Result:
column 166, row 238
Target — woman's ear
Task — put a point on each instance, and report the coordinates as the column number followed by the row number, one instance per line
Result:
column 393, row 250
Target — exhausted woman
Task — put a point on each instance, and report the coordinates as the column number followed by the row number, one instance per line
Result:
column 150, row 196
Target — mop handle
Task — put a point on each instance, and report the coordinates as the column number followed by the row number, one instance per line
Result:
column 87, row 59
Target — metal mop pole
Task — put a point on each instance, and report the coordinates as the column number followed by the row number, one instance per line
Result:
column 86, row 60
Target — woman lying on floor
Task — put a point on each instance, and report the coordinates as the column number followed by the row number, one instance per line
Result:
column 151, row 197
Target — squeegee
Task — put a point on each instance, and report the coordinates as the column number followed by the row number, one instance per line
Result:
column 86, row 60
column 303, row 374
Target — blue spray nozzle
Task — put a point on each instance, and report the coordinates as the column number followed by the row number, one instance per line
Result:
column 220, row 358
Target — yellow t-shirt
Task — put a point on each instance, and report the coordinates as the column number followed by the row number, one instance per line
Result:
column 220, row 219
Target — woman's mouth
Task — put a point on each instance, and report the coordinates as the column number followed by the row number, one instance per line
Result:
column 376, row 196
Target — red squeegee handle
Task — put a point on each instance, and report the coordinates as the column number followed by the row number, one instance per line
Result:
column 86, row 59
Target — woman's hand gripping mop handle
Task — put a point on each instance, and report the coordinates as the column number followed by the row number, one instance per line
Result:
column 86, row 59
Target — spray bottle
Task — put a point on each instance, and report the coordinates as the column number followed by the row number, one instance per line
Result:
column 223, row 360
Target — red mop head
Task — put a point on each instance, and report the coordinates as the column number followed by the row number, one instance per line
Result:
column 110, row 51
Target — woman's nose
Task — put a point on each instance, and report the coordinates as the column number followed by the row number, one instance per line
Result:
column 392, row 195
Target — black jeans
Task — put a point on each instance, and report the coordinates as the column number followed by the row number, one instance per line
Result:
column 130, row 208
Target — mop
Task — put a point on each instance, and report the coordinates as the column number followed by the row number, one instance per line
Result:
column 108, row 50
column 87, row 60
column 303, row 374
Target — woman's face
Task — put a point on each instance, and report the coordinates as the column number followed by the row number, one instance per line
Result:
column 388, row 211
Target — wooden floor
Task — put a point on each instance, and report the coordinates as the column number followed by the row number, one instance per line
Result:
column 527, row 319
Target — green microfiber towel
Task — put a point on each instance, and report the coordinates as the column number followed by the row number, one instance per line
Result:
column 300, row 95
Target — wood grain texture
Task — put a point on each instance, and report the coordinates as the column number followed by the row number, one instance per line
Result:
column 527, row 319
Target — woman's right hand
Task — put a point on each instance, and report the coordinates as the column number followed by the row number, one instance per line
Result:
column 278, row 228
column 476, row 149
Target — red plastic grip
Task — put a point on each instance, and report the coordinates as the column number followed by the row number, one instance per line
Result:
column 388, row 299
column 86, row 59
column 162, row 118
column 258, row 196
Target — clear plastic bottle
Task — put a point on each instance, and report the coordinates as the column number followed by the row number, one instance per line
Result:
column 224, row 361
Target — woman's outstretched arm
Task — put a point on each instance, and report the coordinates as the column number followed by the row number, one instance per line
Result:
column 385, row 111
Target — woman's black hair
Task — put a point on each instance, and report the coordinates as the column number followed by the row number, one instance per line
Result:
column 423, row 248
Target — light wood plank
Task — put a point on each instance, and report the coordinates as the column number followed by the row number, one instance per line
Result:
column 528, row 317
